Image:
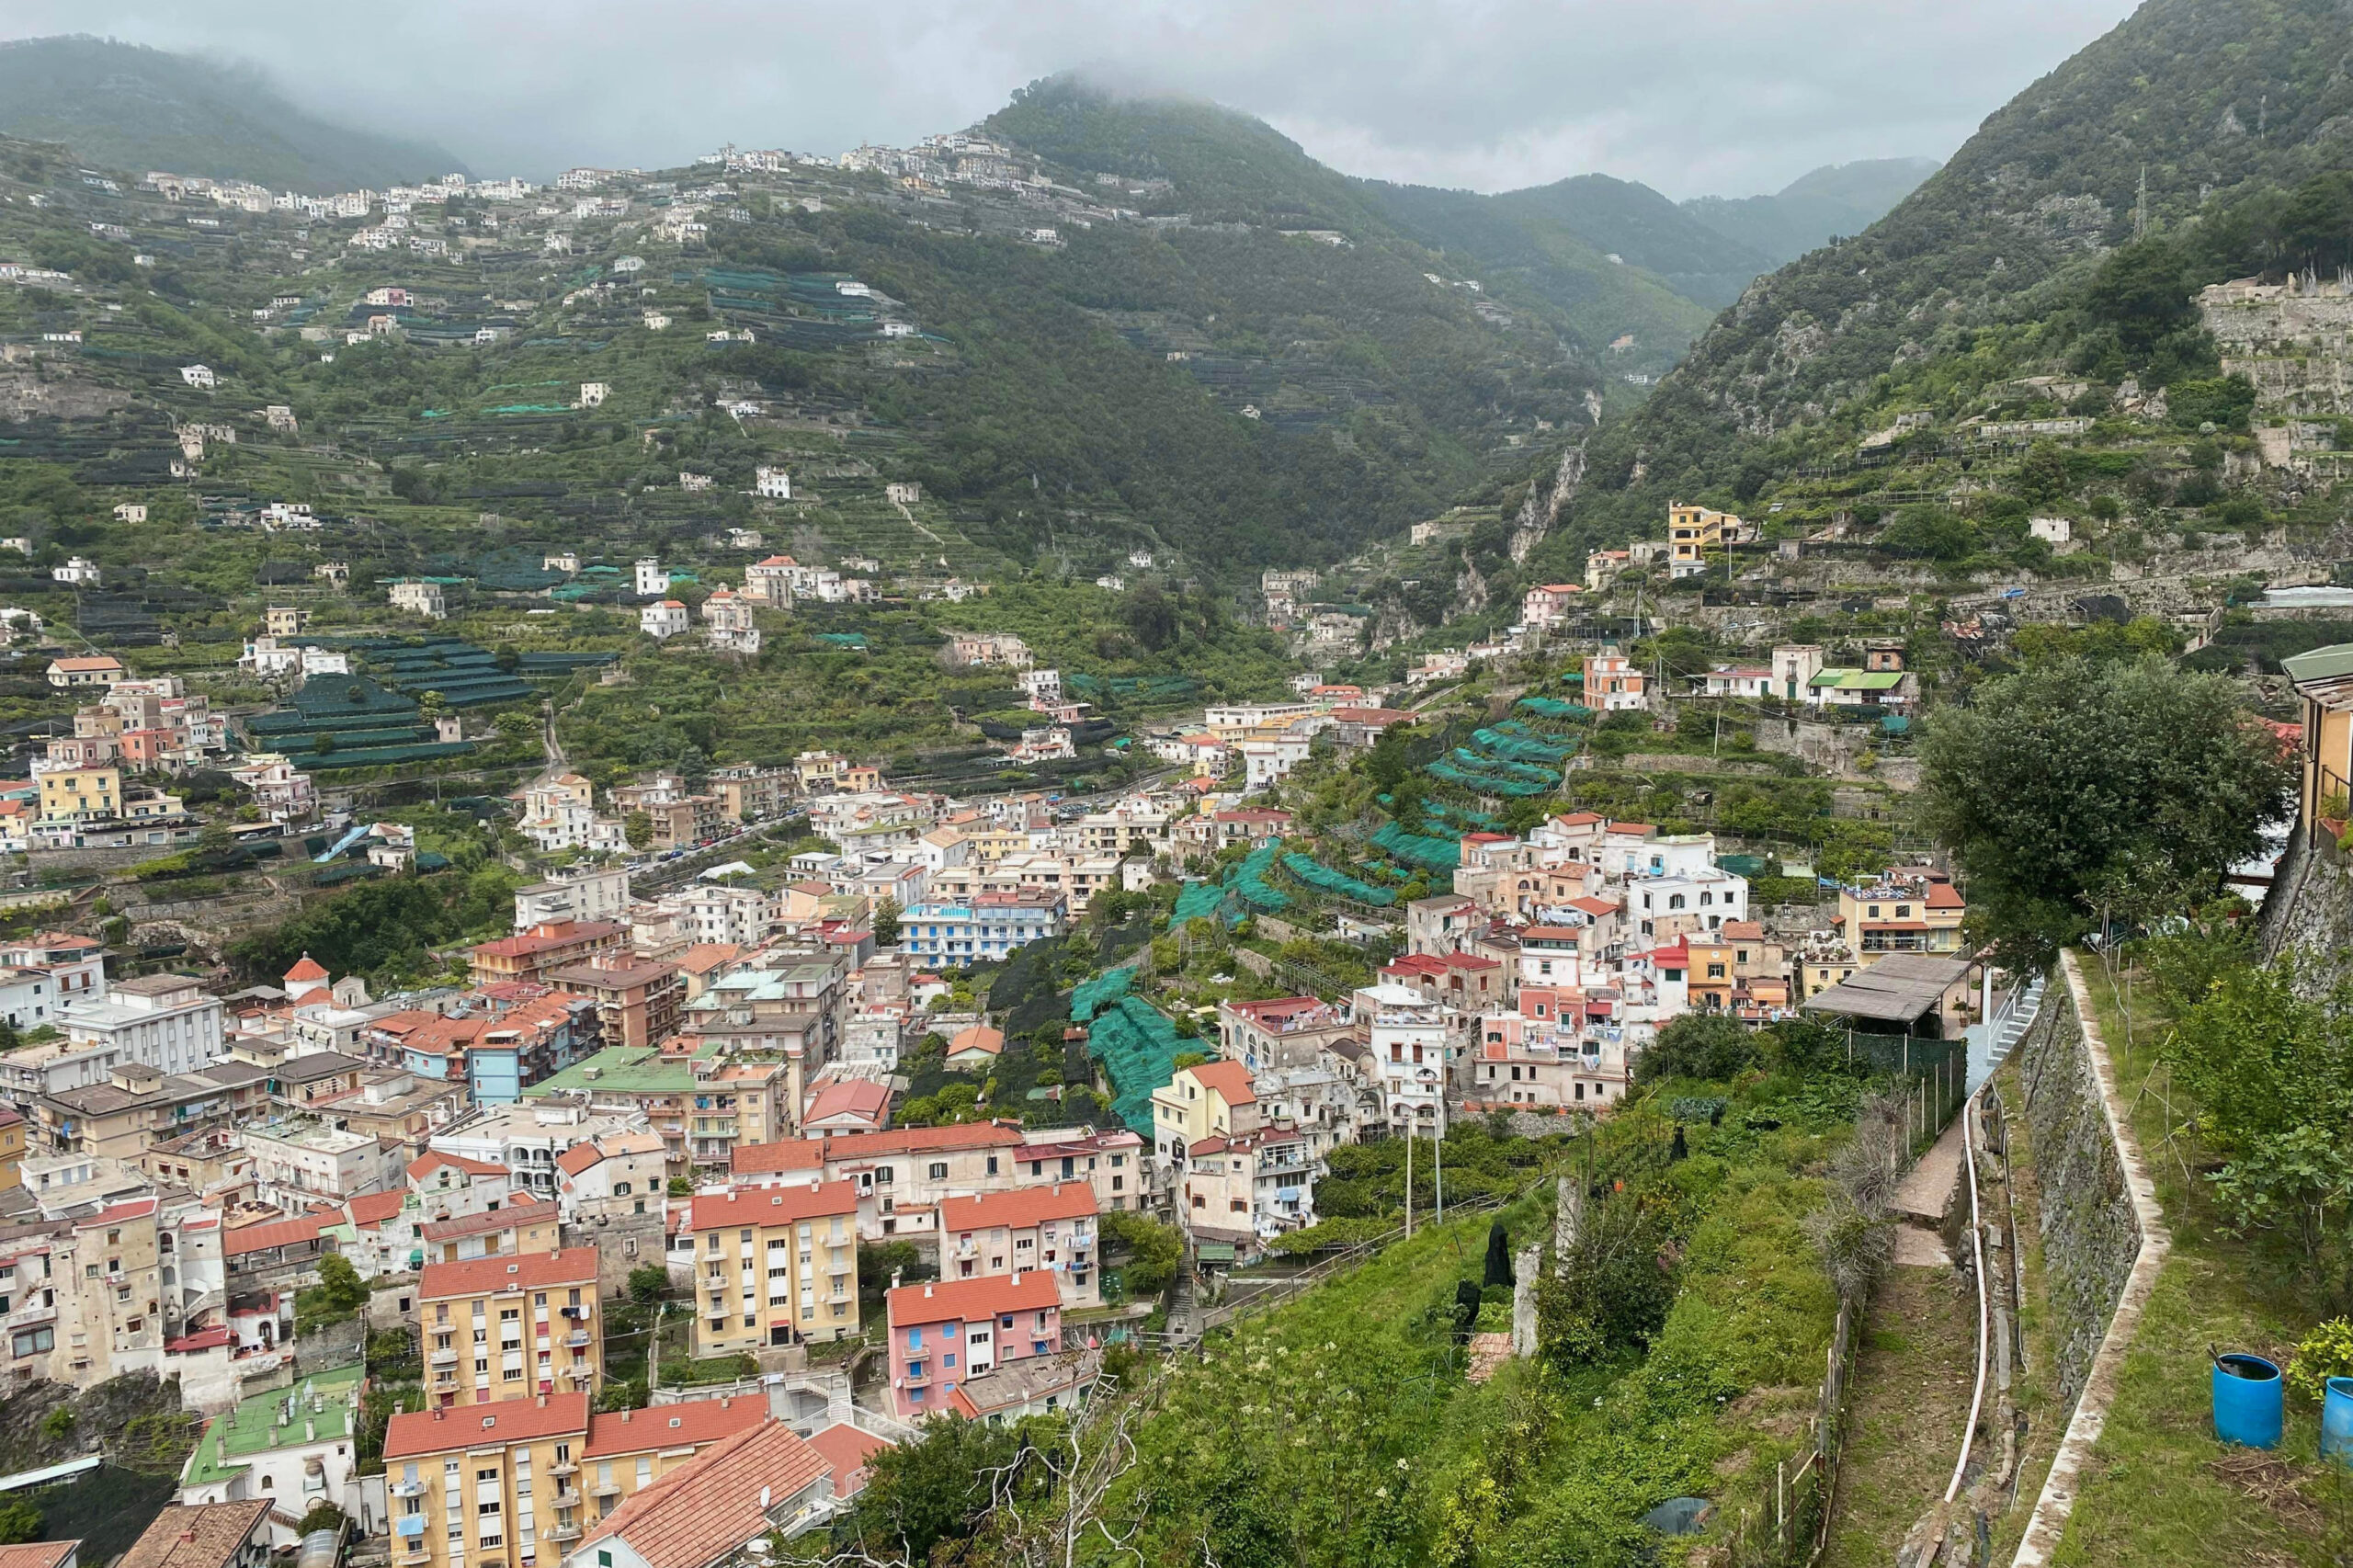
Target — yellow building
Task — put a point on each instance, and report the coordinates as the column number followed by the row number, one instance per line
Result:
column 12, row 1150
column 2324, row 678
column 1694, row 533
column 1901, row 913
column 519, row 1482
column 511, row 1327
column 1212, row 1100
column 774, row 1266
column 81, row 794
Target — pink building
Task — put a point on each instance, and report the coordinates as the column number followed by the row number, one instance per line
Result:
column 942, row 1335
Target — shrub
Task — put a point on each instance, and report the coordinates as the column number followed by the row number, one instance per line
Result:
column 2326, row 1352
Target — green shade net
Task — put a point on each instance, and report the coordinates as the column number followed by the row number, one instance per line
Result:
column 1323, row 879
column 1250, row 880
column 1198, row 901
column 1091, row 996
column 1419, row 849
column 1136, row 1046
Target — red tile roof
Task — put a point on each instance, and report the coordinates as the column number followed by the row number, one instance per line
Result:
column 959, row 1301
column 478, row 1426
column 775, row 1159
column 846, row 1449
column 375, row 1208
column 806, row 1153
column 1229, row 1079
column 1944, row 895
column 434, row 1159
column 529, row 1271
column 305, row 968
column 774, row 1205
column 520, row 1209
column 196, row 1535
column 1018, row 1209
column 709, row 1507
column 545, row 938
column 696, row 1421
column 578, row 1158
column 851, row 1096
column 245, row 1239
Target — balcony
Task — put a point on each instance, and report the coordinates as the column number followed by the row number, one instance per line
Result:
column 562, row 1533
column 406, row 1489
column 417, row 1550
column 447, row 1356
column 567, row 1496
column 577, row 1339
column 607, row 1488
column 578, row 1315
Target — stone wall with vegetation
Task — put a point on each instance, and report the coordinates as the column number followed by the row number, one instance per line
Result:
column 2090, row 1234
column 2308, row 915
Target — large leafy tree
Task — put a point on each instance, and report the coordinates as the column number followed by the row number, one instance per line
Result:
column 2073, row 791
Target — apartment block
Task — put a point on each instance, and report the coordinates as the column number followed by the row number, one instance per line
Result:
column 774, row 1266
column 511, row 1327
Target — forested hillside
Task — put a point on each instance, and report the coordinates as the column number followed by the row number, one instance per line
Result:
column 1833, row 201
column 136, row 109
column 2214, row 101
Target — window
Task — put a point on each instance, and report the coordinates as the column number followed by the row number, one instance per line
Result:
column 33, row 1341
column 939, row 1170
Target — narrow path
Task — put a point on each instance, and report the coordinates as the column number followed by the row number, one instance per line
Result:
column 926, row 533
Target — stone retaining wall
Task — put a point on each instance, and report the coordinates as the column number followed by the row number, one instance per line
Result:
column 2089, row 1233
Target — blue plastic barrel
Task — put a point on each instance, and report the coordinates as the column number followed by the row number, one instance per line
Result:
column 2249, row 1402
column 2337, row 1421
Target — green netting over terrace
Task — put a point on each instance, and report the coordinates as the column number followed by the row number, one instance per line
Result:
column 1148, row 688
column 1419, row 849
column 1323, row 879
column 1198, row 901
column 1526, row 773
column 334, row 702
column 1250, row 883
column 1136, row 1046
column 1515, row 743
column 376, row 757
column 1554, row 708
column 1091, row 996
column 1480, row 782
column 1460, row 816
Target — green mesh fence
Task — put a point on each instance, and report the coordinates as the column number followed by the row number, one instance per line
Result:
column 1480, row 782
column 1250, row 882
column 1136, row 1046
column 1091, row 996
column 1526, row 773
column 1462, row 816
column 1323, row 879
column 1554, row 708
column 1419, row 849
column 1520, row 747
column 1198, row 901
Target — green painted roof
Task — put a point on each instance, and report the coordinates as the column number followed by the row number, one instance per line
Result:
column 2332, row 663
column 1856, row 680
column 632, row 1069
column 231, row 1441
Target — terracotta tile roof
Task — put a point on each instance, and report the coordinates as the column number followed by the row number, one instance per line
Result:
column 43, row 1554
column 709, row 1507
column 852, row 1096
column 543, row 939
column 774, row 1205
column 196, row 1535
column 372, row 1208
column 246, row 1240
column 846, row 1449
column 980, row 1037
column 959, row 1301
column 479, row 1426
column 530, row 1271
column 520, row 1209
column 1229, row 1079
column 775, row 1159
column 1944, row 895
column 704, row 956
column 806, row 1153
column 695, row 1421
column 433, row 1160
column 1743, row 930
column 1019, row 1208
column 578, row 1158
column 305, row 968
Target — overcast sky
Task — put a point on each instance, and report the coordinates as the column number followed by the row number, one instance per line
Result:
column 1691, row 96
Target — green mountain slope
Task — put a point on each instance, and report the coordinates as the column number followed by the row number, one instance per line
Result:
column 136, row 109
column 1644, row 228
column 1838, row 199
column 2210, row 98
column 1226, row 168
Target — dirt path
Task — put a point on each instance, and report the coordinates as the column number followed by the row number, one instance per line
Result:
column 1913, row 1378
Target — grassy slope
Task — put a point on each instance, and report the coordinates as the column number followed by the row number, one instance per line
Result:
column 2160, row 1489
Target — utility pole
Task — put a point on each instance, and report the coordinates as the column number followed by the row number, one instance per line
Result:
column 1409, row 1175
